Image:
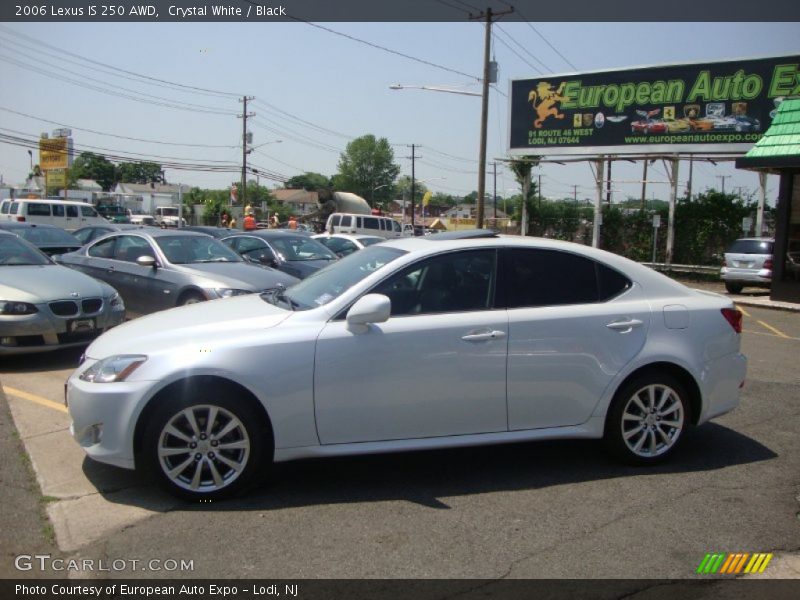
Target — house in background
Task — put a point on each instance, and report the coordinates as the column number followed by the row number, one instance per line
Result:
column 302, row 202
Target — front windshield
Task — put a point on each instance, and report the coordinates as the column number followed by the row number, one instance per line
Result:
column 301, row 247
column 329, row 283
column 187, row 249
column 15, row 252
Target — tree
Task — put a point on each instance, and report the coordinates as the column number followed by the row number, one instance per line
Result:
column 93, row 166
column 309, row 181
column 403, row 189
column 522, row 173
column 366, row 168
column 140, row 172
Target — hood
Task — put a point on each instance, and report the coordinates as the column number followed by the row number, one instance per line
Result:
column 241, row 275
column 44, row 283
column 204, row 321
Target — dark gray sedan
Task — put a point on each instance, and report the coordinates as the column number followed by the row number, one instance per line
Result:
column 49, row 239
column 155, row 269
column 44, row 306
column 294, row 253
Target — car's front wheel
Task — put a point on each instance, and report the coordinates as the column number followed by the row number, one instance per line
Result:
column 204, row 446
column 647, row 418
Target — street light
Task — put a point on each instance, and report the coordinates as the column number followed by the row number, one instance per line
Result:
column 249, row 150
column 433, row 88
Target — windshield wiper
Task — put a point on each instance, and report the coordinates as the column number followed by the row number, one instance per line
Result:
column 279, row 295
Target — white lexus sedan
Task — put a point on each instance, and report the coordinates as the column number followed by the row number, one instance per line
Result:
column 507, row 339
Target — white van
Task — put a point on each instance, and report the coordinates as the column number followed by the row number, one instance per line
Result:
column 66, row 214
column 363, row 225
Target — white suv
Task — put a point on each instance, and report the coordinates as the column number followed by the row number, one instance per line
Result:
column 748, row 262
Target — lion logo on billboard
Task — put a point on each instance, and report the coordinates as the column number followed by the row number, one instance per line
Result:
column 547, row 99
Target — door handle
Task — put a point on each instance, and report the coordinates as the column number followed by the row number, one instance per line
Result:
column 483, row 336
column 624, row 326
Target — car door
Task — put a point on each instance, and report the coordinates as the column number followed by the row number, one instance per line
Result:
column 574, row 323
column 149, row 288
column 437, row 367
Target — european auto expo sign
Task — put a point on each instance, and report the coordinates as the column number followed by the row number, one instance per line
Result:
column 716, row 107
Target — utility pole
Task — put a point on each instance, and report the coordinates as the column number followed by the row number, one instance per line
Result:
column 243, row 117
column 689, row 183
column 487, row 16
column 494, row 195
column 608, row 183
column 723, row 177
column 575, row 193
column 644, row 185
column 413, row 157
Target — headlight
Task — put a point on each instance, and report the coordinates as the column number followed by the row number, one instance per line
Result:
column 116, row 302
column 228, row 292
column 113, row 368
column 9, row 307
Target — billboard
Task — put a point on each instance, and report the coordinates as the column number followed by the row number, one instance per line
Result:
column 55, row 153
column 703, row 107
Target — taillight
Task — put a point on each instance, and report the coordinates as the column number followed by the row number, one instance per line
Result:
column 768, row 264
column 21, row 219
column 734, row 317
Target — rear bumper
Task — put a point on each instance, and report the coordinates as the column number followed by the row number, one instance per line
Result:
column 722, row 381
column 751, row 276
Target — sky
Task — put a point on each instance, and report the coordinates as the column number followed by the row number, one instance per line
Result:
column 315, row 91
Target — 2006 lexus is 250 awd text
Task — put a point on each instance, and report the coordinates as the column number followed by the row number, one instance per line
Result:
column 507, row 339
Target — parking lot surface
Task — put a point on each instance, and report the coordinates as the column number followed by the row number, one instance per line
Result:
column 539, row 510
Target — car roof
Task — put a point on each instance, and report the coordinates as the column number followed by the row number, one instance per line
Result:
column 18, row 225
column 270, row 233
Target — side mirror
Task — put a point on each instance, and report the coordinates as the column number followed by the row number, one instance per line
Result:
column 146, row 261
column 267, row 260
column 372, row 308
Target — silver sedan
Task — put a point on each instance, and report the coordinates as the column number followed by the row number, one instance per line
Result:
column 156, row 269
column 44, row 306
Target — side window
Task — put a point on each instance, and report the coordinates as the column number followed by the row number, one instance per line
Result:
column 533, row 277
column 396, row 227
column 131, row 247
column 454, row 282
column 38, row 210
column 336, row 220
column 88, row 211
column 14, row 208
column 253, row 248
column 72, row 210
column 4, row 208
column 371, row 223
column 58, row 210
column 347, row 221
column 612, row 283
column 103, row 248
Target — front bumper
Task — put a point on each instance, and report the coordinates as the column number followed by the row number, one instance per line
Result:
column 44, row 331
column 104, row 417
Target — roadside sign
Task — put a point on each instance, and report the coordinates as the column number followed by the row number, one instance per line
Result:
column 56, row 178
column 656, row 221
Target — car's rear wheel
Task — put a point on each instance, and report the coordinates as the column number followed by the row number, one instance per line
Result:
column 733, row 288
column 647, row 419
column 205, row 446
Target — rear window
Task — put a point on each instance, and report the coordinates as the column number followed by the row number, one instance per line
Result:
column 751, row 247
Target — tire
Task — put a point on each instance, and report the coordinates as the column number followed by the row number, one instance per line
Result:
column 190, row 298
column 191, row 460
column 733, row 288
column 647, row 419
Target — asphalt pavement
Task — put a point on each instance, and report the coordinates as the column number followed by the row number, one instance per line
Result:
column 540, row 510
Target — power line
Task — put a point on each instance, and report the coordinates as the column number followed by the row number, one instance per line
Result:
column 139, row 75
column 546, row 41
column 524, row 49
column 122, row 137
column 383, row 48
column 167, row 104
